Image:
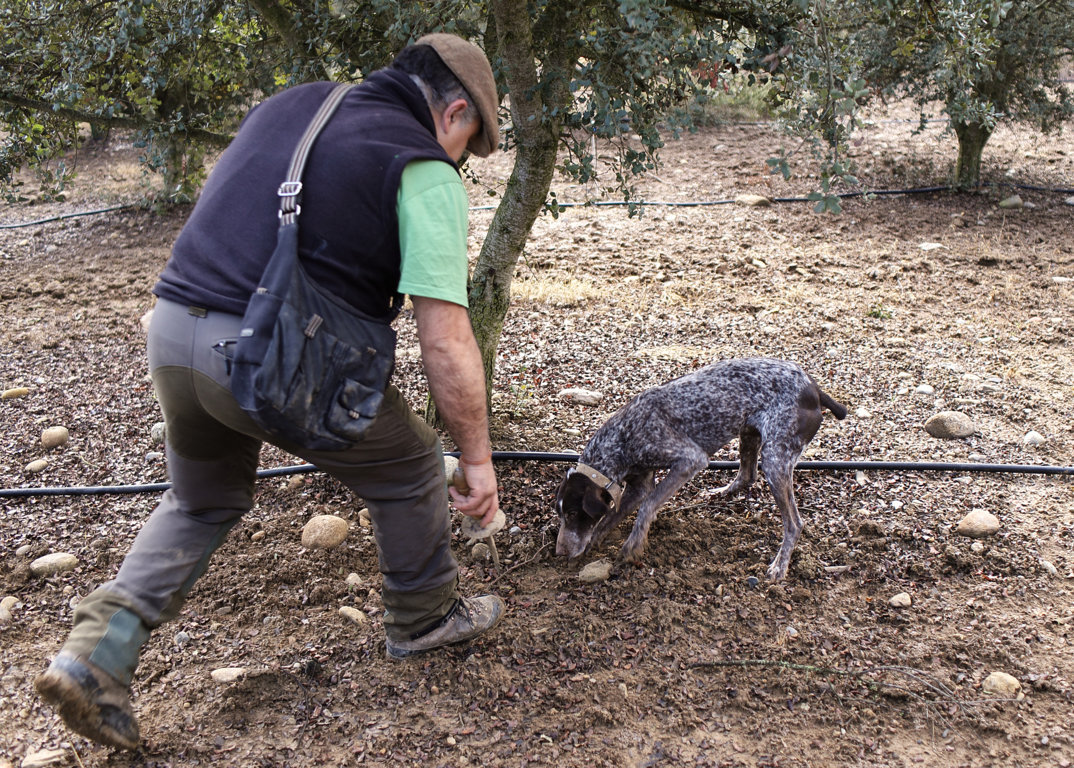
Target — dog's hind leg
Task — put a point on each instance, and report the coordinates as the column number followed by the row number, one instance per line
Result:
column 692, row 461
column 778, row 462
column 749, row 442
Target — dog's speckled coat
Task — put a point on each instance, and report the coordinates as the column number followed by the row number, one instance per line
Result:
column 772, row 406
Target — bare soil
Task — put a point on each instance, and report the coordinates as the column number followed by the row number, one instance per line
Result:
column 692, row 659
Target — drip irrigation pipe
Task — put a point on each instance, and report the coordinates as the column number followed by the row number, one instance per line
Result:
column 63, row 216
column 821, row 466
column 621, row 203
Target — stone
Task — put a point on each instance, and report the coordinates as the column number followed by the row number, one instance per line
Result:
column 1002, row 684
column 754, row 201
column 57, row 562
column 950, row 425
column 228, row 674
column 581, row 396
column 11, row 394
column 978, row 524
column 901, row 600
column 353, row 615
column 43, row 758
column 353, row 580
column 324, row 532
column 54, row 437
column 37, row 465
column 863, row 413
column 451, row 463
column 598, row 570
column 364, row 518
column 1014, row 201
column 481, row 552
column 1033, row 439
column 157, row 433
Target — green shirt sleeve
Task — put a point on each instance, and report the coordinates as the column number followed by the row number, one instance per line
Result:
column 433, row 229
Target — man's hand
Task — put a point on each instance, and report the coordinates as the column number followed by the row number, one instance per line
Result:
column 477, row 495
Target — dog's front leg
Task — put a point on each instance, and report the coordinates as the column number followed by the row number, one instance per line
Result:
column 679, row 472
column 637, row 488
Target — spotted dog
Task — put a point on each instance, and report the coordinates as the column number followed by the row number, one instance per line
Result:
column 772, row 406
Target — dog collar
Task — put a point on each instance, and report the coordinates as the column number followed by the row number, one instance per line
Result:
column 613, row 488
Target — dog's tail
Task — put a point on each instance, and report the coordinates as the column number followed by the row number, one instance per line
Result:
column 838, row 409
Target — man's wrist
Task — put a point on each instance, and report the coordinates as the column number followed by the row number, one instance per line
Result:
column 471, row 463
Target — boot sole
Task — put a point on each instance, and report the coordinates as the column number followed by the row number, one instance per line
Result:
column 79, row 712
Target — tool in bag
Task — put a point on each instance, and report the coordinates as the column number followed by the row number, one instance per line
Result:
column 308, row 367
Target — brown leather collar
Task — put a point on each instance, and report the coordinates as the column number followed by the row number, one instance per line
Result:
column 603, row 481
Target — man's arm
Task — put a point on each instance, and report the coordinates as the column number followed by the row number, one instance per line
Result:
column 456, row 378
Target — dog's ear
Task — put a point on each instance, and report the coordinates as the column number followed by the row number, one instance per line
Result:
column 596, row 501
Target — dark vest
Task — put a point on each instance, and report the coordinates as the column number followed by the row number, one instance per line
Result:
column 349, row 232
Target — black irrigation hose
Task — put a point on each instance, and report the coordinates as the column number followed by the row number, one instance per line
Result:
column 621, row 203
column 68, row 216
column 823, row 466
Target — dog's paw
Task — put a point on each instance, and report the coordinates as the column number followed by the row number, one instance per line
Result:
column 632, row 552
column 777, row 571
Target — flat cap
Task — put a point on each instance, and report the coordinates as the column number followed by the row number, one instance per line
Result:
column 469, row 64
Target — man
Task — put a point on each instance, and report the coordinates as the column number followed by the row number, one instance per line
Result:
column 384, row 213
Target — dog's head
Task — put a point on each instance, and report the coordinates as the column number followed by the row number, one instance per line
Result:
column 581, row 504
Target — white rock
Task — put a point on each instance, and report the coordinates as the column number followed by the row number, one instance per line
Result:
column 9, row 602
column 228, row 674
column 145, row 320
column 353, row 580
column 54, row 437
column 23, row 550
column 754, row 201
column 924, row 389
column 1014, row 201
column 1069, row 200
column 451, row 463
column 978, row 524
column 1001, row 684
column 1045, row 564
column 948, row 425
column 598, row 570
column 481, row 552
column 863, row 413
column 353, row 615
column 581, row 396
column 1033, row 439
column 364, row 518
column 44, row 757
column 157, row 433
column 324, row 532
column 901, row 600
column 14, row 392
column 38, row 465
column 57, row 562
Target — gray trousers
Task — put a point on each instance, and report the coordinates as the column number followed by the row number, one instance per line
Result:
column 212, row 453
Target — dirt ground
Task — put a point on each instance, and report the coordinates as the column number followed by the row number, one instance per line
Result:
column 901, row 307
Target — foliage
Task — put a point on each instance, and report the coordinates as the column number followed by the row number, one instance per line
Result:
column 983, row 61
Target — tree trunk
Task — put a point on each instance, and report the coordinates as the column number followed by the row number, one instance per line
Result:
column 537, row 136
column 972, row 138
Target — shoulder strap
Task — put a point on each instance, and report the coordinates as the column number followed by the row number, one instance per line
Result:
column 290, row 191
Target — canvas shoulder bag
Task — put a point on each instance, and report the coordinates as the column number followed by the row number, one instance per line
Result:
column 308, row 367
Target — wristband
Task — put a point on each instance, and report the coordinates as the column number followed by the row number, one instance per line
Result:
column 485, row 460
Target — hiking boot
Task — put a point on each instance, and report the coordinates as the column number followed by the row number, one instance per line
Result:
column 90, row 701
column 468, row 618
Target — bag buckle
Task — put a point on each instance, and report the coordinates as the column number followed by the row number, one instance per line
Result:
column 290, row 189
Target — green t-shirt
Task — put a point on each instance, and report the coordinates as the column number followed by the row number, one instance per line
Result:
column 432, row 232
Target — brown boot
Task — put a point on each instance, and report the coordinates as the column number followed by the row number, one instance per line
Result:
column 467, row 619
column 90, row 701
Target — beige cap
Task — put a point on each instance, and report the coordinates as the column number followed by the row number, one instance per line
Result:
column 468, row 63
